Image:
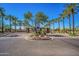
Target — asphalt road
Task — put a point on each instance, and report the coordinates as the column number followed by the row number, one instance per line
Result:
column 18, row 46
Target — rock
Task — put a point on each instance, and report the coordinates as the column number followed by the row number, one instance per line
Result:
column 40, row 38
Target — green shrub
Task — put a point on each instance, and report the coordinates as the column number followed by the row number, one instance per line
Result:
column 40, row 32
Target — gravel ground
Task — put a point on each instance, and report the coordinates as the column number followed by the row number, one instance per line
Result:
column 21, row 45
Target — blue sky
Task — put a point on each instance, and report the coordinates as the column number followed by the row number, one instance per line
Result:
column 52, row 10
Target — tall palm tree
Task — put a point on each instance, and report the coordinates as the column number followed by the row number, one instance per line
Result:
column 40, row 19
column 62, row 16
column 49, row 25
column 14, row 22
column 20, row 24
column 53, row 21
column 2, row 15
column 53, row 26
column 27, row 17
column 26, row 25
column 58, row 21
column 10, row 18
column 71, row 9
column 68, row 15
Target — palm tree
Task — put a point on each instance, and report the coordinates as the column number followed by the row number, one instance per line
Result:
column 68, row 15
column 53, row 21
column 10, row 20
column 40, row 19
column 62, row 16
column 49, row 25
column 58, row 20
column 2, row 15
column 20, row 24
column 26, row 24
column 53, row 26
column 27, row 17
column 15, row 22
column 71, row 9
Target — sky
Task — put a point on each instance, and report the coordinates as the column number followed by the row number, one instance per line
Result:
column 52, row 10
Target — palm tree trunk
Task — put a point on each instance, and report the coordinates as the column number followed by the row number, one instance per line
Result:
column 32, row 25
column 15, row 28
column 73, row 21
column 2, row 24
column 20, row 27
column 10, row 25
column 59, row 26
column 15, row 25
column 35, row 26
column 49, row 28
column 63, row 26
column 69, row 23
column 53, row 27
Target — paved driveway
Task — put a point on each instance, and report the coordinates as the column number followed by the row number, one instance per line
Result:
column 23, row 46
